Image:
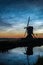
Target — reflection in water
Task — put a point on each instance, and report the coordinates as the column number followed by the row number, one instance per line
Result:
column 17, row 57
column 38, row 50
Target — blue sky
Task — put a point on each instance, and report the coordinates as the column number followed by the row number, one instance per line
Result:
column 14, row 15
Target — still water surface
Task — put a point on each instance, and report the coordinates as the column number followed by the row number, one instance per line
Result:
column 17, row 57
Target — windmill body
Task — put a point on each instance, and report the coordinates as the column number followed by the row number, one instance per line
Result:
column 29, row 31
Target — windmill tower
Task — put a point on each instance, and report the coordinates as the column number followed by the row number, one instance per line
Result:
column 29, row 29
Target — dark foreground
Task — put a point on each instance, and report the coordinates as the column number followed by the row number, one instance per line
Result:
column 8, row 44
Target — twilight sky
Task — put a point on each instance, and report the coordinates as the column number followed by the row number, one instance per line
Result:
column 14, row 17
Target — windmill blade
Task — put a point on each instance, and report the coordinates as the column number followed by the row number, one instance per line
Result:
column 27, row 25
column 25, row 33
column 28, row 21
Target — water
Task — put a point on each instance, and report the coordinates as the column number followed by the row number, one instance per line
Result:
column 17, row 57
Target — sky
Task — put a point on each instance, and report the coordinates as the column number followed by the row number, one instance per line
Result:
column 14, row 17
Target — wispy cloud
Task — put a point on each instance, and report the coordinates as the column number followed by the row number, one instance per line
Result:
column 14, row 15
column 4, row 25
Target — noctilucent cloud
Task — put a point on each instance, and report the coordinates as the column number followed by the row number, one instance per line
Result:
column 14, row 15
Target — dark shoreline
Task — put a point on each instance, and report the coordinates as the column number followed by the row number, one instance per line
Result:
column 10, row 44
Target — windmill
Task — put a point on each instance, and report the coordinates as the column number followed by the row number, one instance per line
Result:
column 29, row 29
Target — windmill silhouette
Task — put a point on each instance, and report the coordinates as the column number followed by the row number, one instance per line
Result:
column 29, row 30
column 29, row 37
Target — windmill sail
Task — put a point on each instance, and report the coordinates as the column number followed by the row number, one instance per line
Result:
column 28, row 21
column 27, row 25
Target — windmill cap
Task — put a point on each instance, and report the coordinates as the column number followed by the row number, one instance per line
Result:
column 29, row 27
